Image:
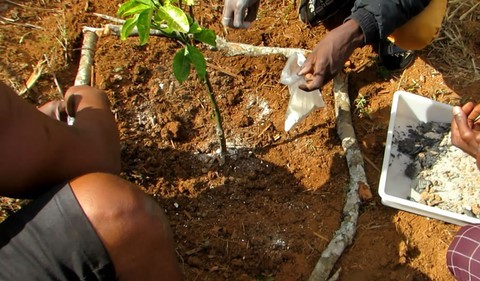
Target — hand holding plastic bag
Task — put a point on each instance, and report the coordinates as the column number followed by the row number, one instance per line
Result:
column 301, row 103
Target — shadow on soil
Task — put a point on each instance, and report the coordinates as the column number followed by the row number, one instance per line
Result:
column 255, row 217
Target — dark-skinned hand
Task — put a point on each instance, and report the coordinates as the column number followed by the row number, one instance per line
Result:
column 465, row 131
column 330, row 54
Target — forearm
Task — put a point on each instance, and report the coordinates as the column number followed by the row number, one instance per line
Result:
column 356, row 36
column 379, row 18
column 38, row 151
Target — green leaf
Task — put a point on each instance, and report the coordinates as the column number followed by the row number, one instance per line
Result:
column 143, row 24
column 195, row 28
column 198, row 61
column 157, row 18
column 170, row 2
column 128, row 26
column 190, row 2
column 181, row 65
column 131, row 8
column 146, row 2
column 174, row 17
column 125, row 7
column 168, row 32
column 206, row 36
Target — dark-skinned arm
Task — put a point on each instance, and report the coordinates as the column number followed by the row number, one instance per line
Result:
column 39, row 151
column 330, row 54
column 370, row 21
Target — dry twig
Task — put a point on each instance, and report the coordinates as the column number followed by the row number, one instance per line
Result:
column 371, row 163
column 37, row 72
column 232, row 49
column 27, row 7
column 116, row 29
column 343, row 237
column 55, row 80
column 462, row 17
column 225, row 71
column 5, row 20
column 109, row 18
column 85, row 66
column 235, row 49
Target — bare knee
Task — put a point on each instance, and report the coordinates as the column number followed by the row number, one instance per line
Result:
column 131, row 225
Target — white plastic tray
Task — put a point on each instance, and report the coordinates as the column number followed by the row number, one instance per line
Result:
column 394, row 188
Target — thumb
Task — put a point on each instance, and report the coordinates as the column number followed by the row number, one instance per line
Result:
column 307, row 67
column 460, row 119
column 71, row 106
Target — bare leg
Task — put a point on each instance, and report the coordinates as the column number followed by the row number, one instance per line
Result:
column 131, row 225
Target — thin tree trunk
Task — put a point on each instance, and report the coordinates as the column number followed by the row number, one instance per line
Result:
column 218, row 122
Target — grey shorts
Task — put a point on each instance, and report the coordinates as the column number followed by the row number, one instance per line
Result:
column 52, row 239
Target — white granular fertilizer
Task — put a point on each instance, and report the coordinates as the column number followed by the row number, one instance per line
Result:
column 452, row 183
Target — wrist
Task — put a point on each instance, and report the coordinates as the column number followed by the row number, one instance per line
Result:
column 368, row 25
column 355, row 32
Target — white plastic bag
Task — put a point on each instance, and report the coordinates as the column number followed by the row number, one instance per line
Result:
column 301, row 103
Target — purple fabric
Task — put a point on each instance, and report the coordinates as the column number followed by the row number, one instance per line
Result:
column 463, row 255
